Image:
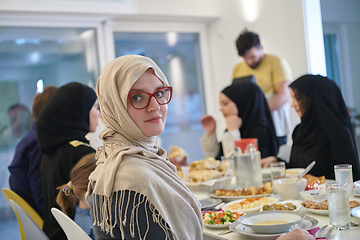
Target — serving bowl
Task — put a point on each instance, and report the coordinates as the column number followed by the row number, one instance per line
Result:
column 314, row 195
column 287, row 188
column 271, row 221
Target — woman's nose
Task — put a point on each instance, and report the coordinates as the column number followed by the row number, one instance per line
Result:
column 153, row 105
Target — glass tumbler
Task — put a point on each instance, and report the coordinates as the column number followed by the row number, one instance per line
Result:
column 277, row 170
column 338, row 205
column 343, row 173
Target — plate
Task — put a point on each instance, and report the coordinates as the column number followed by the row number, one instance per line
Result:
column 355, row 212
column 201, row 195
column 318, row 211
column 297, row 203
column 233, row 198
column 357, row 192
column 307, row 223
column 256, row 209
column 209, row 203
column 217, row 225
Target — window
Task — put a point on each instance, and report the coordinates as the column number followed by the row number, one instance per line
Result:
column 178, row 56
column 29, row 54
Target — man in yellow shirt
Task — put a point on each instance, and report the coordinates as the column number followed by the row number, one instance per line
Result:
column 273, row 76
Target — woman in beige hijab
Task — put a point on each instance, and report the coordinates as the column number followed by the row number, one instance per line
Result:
column 134, row 192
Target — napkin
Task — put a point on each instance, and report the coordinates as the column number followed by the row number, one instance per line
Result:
column 313, row 231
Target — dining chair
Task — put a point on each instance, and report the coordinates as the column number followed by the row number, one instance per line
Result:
column 71, row 229
column 31, row 229
column 11, row 195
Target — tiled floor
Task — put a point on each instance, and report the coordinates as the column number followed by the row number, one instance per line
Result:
column 9, row 229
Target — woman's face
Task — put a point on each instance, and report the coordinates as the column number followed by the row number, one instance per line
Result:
column 150, row 120
column 295, row 103
column 227, row 107
column 94, row 116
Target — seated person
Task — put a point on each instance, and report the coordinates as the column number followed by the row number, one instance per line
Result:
column 25, row 176
column 325, row 134
column 71, row 197
column 247, row 115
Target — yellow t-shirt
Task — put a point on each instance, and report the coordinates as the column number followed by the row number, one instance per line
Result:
column 270, row 71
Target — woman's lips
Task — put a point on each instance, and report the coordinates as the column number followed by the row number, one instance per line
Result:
column 154, row 119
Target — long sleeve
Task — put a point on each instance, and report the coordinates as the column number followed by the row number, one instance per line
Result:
column 228, row 142
column 209, row 145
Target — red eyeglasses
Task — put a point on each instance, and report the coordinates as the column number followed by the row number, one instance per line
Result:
column 140, row 100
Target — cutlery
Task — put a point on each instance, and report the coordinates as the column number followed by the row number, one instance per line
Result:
column 217, row 207
column 324, row 231
column 224, row 232
column 307, row 169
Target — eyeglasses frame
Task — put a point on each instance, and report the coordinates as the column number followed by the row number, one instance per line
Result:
column 151, row 95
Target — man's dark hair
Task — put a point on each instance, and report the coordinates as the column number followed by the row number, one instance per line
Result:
column 246, row 41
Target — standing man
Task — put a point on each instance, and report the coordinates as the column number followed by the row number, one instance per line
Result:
column 273, row 76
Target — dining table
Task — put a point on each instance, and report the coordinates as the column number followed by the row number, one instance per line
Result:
column 349, row 234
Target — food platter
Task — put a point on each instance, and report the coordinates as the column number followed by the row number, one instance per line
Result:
column 233, row 198
column 249, row 210
column 297, row 203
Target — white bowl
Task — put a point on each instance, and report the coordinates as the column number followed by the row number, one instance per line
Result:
column 294, row 172
column 291, row 218
column 288, row 189
column 314, row 195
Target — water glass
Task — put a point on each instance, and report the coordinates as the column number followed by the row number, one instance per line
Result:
column 338, row 204
column 277, row 170
column 343, row 173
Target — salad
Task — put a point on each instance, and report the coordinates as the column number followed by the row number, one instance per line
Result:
column 220, row 218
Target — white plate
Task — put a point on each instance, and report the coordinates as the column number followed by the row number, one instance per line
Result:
column 233, row 198
column 318, row 211
column 226, row 225
column 307, row 223
column 297, row 203
column 357, row 192
column 201, row 195
column 246, row 210
column 209, row 203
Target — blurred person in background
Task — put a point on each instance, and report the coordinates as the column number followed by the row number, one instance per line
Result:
column 25, row 176
column 273, row 76
column 325, row 133
column 247, row 115
column 20, row 120
column 67, row 117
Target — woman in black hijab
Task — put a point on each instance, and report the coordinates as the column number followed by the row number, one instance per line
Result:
column 67, row 117
column 325, row 133
column 245, row 108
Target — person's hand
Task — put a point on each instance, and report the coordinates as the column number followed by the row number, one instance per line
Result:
column 209, row 124
column 265, row 162
column 233, row 122
column 296, row 234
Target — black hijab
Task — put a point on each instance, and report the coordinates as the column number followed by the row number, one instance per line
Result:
column 65, row 117
column 325, row 133
column 254, row 112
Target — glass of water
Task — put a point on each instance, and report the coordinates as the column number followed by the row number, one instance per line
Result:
column 277, row 170
column 338, row 204
column 343, row 173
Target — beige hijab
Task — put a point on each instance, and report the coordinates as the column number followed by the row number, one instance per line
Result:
column 129, row 160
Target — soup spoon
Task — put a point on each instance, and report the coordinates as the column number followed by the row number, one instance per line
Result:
column 307, row 169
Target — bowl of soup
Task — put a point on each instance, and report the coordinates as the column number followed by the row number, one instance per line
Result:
column 271, row 222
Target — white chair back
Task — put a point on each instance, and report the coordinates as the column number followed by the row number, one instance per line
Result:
column 31, row 229
column 71, row 229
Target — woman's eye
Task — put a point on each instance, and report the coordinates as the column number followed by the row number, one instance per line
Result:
column 159, row 94
column 136, row 97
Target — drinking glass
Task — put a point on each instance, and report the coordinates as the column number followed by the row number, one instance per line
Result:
column 338, row 205
column 277, row 170
column 343, row 173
